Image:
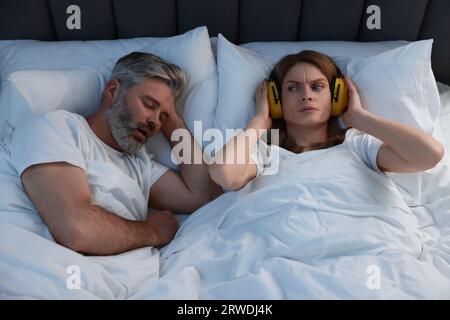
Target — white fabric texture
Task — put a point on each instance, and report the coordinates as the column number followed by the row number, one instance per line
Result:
column 317, row 230
column 60, row 136
column 274, row 51
column 444, row 117
column 26, row 92
column 398, row 84
column 18, row 55
column 80, row 90
column 33, row 266
column 312, row 231
column 240, row 72
column 192, row 52
column 32, row 91
column 364, row 146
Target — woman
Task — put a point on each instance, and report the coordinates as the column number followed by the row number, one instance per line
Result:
column 327, row 218
column 383, row 145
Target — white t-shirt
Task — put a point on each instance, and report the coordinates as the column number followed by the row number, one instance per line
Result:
column 357, row 146
column 61, row 136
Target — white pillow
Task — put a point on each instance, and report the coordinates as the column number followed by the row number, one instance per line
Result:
column 35, row 91
column 240, row 72
column 398, row 84
column 79, row 90
column 394, row 93
column 444, row 117
column 33, row 54
column 192, row 52
column 274, row 51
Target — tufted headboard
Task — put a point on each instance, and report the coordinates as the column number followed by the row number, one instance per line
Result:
column 238, row 20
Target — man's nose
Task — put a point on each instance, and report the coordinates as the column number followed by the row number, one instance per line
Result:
column 153, row 121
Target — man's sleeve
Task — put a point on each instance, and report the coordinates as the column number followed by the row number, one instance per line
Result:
column 39, row 140
column 156, row 170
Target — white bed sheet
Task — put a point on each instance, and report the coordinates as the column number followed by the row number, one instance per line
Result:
column 32, row 265
column 444, row 118
column 267, row 242
column 225, row 250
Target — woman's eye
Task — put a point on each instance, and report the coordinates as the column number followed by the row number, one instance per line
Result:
column 292, row 88
column 317, row 87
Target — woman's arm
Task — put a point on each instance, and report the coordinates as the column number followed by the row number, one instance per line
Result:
column 404, row 148
column 233, row 167
column 190, row 188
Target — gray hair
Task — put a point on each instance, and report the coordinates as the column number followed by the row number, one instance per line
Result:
column 136, row 67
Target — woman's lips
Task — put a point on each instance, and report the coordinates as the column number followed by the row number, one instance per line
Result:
column 307, row 109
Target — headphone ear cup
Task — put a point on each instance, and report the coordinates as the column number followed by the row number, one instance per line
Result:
column 274, row 97
column 277, row 84
column 339, row 96
column 332, row 85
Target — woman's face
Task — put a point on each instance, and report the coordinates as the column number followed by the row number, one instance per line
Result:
column 306, row 97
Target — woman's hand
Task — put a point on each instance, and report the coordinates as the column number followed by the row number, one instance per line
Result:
column 262, row 105
column 355, row 110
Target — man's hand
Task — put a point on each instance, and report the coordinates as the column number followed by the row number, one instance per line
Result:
column 191, row 187
column 65, row 206
column 173, row 122
column 164, row 227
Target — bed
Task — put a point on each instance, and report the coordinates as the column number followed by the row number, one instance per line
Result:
column 256, row 243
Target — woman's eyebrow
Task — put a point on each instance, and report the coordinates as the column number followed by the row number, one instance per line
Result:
column 311, row 81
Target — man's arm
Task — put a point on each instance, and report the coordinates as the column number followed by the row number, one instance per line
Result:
column 61, row 194
column 189, row 189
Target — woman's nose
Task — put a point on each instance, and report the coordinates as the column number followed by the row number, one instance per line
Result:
column 306, row 94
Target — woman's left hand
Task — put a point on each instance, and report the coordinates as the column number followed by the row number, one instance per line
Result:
column 355, row 109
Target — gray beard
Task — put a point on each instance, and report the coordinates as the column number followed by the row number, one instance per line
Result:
column 121, row 123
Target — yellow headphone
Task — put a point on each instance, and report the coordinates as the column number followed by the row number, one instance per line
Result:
column 339, row 96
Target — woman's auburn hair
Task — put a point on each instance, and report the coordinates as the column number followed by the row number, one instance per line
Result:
column 327, row 66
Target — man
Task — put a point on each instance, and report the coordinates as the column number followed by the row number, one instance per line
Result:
column 54, row 154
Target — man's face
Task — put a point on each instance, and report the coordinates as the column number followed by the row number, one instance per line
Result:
column 138, row 114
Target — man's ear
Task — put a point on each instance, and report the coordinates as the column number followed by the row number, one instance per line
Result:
column 111, row 91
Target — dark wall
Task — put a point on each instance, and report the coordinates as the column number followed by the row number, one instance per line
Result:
column 238, row 20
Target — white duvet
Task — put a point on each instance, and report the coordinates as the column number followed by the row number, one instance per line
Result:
column 299, row 234
column 308, row 233
column 32, row 265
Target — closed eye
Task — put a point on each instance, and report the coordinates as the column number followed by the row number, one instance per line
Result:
column 150, row 106
column 149, row 102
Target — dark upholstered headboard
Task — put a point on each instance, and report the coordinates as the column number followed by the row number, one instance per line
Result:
column 238, row 20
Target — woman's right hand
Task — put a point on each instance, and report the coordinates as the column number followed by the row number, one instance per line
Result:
column 232, row 175
column 262, row 105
